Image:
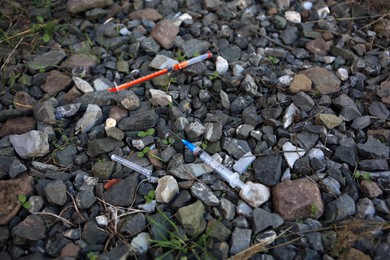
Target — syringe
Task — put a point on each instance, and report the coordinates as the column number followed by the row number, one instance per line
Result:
column 131, row 165
column 231, row 177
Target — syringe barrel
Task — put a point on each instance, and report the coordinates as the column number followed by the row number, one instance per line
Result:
column 132, row 165
column 231, row 177
column 199, row 58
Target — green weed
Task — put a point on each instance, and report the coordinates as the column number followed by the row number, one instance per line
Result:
column 363, row 175
column 23, row 199
column 150, row 196
column 150, row 132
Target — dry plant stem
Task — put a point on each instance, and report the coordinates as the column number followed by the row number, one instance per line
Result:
column 75, row 206
column 56, row 216
column 12, row 52
column 377, row 20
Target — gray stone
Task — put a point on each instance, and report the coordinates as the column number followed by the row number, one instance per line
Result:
column 74, row 6
column 228, row 208
column 264, row 219
column 103, row 169
column 225, row 100
column 373, row 165
column 194, row 130
column 103, row 145
column 364, row 208
column 239, row 104
column 31, row 228
column 101, row 84
column 123, row 66
column 150, row 46
column 349, row 110
column 45, row 112
column 346, row 151
column 361, row 122
column 373, row 149
column 230, row 52
column 240, row 240
column 279, row 22
column 31, row 144
column 191, row 218
column 160, row 97
column 249, row 86
column 66, row 111
column 16, row 168
column 379, row 110
column 85, row 199
column 303, row 101
column 218, row 230
column 213, row 131
column 36, row 203
column 92, row 117
column 202, row 192
column 55, row 192
column 134, row 224
column 193, row 46
column 339, row 209
column 161, row 62
column 139, row 121
column 244, row 130
column 331, row 185
column 315, row 242
column 290, row 35
column 235, row 147
column 82, row 85
column 268, row 169
column 122, row 193
column 65, row 156
column 92, row 234
column 47, row 60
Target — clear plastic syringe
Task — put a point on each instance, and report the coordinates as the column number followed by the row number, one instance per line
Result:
column 131, row 165
column 232, row 178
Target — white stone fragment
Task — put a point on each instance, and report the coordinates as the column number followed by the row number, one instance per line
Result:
column 222, row 65
column 91, row 117
column 237, row 70
column 285, row 80
column 101, row 84
column 286, row 175
column 342, row 74
column 31, row 144
column 256, row 194
column 307, row 5
column 102, row 221
column 329, row 59
column 140, row 243
column 293, row 16
column 167, row 188
column 110, row 122
column 244, row 162
column 292, row 153
column 323, row 12
column 82, row 85
column 124, row 31
column 289, row 114
column 160, row 97
column 316, row 153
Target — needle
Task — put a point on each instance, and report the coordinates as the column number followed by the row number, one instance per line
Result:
column 175, row 67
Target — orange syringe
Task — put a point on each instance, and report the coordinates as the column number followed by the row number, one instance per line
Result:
column 175, row 67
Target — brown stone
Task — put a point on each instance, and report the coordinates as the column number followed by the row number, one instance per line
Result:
column 211, row 5
column 384, row 90
column 70, row 250
column 23, row 101
column 118, row 112
column 300, row 83
column 381, row 134
column 17, row 126
column 165, row 33
column 354, row 254
column 298, row 199
column 370, row 188
column 56, row 81
column 72, row 94
column 9, row 190
column 318, row 47
column 80, row 59
column 325, row 81
column 148, row 14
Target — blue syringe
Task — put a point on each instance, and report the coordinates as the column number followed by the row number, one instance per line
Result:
column 232, row 178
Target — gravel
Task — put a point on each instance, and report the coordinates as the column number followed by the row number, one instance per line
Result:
column 295, row 100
